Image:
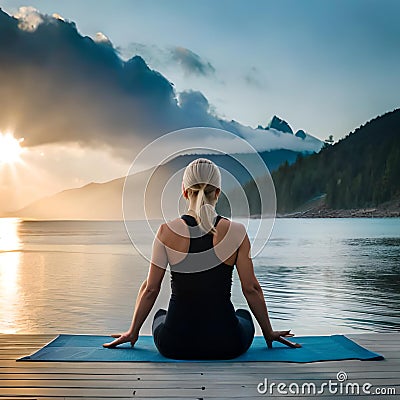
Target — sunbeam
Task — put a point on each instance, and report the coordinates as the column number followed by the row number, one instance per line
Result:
column 10, row 148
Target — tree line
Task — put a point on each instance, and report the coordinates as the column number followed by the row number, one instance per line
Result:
column 361, row 170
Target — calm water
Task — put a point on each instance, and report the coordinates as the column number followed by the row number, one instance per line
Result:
column 319, row 276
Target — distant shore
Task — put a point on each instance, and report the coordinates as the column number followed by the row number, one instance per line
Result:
column 324, row 212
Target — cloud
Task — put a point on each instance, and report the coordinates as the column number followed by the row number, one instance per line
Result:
column 58, row 86
column 254, row 78
column 196, row 107
column 100, row 37
column 191, row 62
column 153, row 54
column 28, row 18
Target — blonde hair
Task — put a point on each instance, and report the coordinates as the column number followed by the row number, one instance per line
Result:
column 201, row 178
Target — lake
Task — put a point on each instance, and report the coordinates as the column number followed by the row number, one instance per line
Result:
column 319, row 276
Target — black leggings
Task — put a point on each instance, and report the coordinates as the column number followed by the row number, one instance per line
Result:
column 172, row 349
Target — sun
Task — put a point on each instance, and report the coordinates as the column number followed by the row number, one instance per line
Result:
column 10, row 148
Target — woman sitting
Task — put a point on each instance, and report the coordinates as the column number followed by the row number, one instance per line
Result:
column 202, row 249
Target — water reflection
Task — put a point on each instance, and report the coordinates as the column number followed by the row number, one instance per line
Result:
column 345, row 284
column 319, row 277
column 9, row 267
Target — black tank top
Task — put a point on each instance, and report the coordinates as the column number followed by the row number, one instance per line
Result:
column 201, row 301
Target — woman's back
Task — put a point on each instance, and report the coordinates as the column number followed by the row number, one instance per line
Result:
column 182, row 237
column 201, row 320
column 207, row 291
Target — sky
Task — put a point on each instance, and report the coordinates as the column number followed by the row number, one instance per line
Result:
column 325, row 67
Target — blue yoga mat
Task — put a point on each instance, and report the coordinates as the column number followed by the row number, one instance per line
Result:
column 89, row 348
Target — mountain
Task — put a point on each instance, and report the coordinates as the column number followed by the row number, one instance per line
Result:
column 362, row 170
column 102, row 201
column 279, row 125
column 301, row 134
column 92, row 201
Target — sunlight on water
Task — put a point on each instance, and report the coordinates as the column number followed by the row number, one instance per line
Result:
column 9, row 269
column 319, row 276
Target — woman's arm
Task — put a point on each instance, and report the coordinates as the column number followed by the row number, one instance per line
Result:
column 253, row 293
column 148, row 293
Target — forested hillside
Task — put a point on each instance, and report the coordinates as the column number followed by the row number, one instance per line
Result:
column 361, row 170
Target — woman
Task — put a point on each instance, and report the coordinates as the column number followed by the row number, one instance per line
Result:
column 202, row 249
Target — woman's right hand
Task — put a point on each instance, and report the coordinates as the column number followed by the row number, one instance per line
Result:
column 279, row 337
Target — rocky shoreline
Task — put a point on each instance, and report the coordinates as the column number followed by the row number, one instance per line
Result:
column 324, row 212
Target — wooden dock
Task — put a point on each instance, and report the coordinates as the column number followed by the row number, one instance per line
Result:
column 93, row 380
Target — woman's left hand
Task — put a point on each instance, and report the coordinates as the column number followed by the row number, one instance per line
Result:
column 122, row 338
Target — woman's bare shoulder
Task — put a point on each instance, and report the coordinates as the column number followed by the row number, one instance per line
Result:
column 174, row 227
column 237, row 226
column 235, row 230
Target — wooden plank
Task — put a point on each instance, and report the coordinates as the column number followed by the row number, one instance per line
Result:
column 223, row 376
column 177, row 383
column 71, row 367
column 228, row 370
